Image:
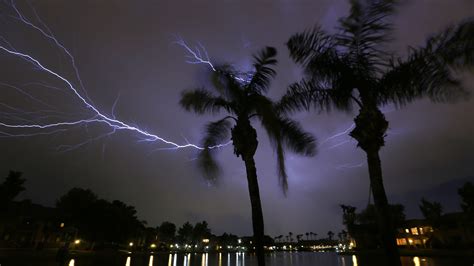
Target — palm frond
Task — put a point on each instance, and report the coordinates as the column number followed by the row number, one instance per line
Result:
column 265, row 110
column 456, row 44
column 281, row 167
column 225, row 83
column 282, row 133
column 263, row 72
column 215, row 133
column 364, row 30
column 428, row 71
column 305, row 46
column 316, row 52
column 306, row 94
column 202, row 101
column 295, row 138
column 208, row 165
column 291, row 136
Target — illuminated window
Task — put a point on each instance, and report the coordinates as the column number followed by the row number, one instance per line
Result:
column 407, row 231
column 414, row 231
column 421, row 230
column 401, row 241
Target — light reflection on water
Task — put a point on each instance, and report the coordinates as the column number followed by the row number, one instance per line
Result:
column 416, row 261
column 354, row 260
column 246, row 259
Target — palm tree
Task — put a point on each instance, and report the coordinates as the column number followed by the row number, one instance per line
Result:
column 280, row 237
column 351, row 68
column 330, row 235
column 299, row 237
column 242, row 98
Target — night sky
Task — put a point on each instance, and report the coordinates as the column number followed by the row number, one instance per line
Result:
column 124, row 50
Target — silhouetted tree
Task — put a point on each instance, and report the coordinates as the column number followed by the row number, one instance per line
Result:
column 351, row 68
column 369, row 215
column 466, row 192
column 77, row 207
column 244, row 101
column 228, row 239
column 348, row 216
column 431, row 211
column 99, row 220
column 201, row 231
column 166, row 232
column 185, row 233
column 298, row 237
column 342, row 235
column 11, row 187
column 330, row 235
column 280, row 237
column 307, row 235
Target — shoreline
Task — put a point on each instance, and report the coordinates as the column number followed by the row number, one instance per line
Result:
column 417, row 252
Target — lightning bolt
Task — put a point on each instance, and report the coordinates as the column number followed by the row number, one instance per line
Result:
column 199, row 55
column 97, row 117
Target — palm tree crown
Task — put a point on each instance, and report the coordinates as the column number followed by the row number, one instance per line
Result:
column 352, row 66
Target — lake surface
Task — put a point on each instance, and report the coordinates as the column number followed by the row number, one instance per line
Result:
column 234, row 259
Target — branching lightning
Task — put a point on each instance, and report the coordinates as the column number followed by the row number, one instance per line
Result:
column 199, row 55
column 95, row 116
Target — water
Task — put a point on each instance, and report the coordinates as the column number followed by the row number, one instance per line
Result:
column 232, row 259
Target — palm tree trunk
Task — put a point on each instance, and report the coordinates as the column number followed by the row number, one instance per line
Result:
column 385, row 223
column 369, row 132
column 257, row 213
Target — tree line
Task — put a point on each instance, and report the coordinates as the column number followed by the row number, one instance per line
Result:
column 432, row 212
column 99, row 220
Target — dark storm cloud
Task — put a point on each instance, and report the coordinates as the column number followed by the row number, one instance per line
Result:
column 125, row 48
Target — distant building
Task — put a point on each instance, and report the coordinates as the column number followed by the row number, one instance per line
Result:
column 416, row 233
column 28, row 225
column 452, row 230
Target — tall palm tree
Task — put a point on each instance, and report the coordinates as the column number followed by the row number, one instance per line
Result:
column 242, row 98
column 351, row 68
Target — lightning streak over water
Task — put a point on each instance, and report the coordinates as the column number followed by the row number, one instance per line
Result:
column 97, row 117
